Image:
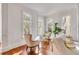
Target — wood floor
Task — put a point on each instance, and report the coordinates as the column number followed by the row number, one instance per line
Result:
column 58, row 49
column 15, row 50
column 24, row 50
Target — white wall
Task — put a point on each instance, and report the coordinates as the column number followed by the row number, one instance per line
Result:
column 78, row 19
column 13, row 25
column 4, row 25
column 0, row 21
column 0, row 28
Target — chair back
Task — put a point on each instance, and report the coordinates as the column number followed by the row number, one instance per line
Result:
column 28, row 38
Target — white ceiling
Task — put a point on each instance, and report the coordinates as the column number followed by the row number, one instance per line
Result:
column 48, row 8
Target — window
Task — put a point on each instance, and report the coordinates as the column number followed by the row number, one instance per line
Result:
column 40, row 26
column 66, row 24
column 27, row 24
column 49, row 23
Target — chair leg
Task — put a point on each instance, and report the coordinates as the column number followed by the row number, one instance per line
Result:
column 26, row 48
column 38, row 49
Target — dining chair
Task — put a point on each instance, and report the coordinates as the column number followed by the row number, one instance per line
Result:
column 32, row 45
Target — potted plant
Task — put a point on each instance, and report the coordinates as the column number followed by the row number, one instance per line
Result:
column 56, row 29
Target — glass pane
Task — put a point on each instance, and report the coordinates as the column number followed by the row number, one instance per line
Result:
column 49, row 23
column 40, row 26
